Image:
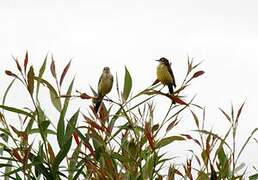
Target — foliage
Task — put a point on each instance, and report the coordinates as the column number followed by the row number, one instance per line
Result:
column 123, row 140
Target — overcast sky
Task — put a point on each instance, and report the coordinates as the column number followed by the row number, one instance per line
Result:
column 134, row 33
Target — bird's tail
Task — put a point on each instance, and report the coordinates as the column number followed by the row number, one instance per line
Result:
column 171, row 91
column 170, row 88
column 98, row 103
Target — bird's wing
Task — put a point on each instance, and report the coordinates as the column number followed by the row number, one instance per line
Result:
column 100, row 78
column 112, row 79
column 172, row 75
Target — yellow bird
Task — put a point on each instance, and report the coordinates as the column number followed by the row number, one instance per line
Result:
column 165, row 74
column 104, row 86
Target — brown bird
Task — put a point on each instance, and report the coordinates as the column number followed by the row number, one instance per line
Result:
column 104, row 86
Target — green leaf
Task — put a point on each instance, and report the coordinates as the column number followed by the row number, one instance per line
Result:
column 61, row 121
column 67, row 142
column 37, row 130
column 71, row 126
column 41, row 72
column 37, row 162
column 165, row 141
column 196, row 119
column 119, row 157
column 253, row 177
column 30, row 79
column 127, row 84
column 223, row 162
column 53, row 94
column 149, row 168
column 29, row 125
column 7, row 90
column 73, row 162
column 94, row 92
column 78, row 173
column 8, row 169
column 15, row 110
column 44, row 125
column 61, row 155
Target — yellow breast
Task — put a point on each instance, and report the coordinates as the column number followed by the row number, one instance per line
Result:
column 163, row 75
column 105, row 85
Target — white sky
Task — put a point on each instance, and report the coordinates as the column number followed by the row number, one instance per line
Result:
column 134, row 33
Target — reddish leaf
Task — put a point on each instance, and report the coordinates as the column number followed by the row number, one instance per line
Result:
column 191, row 138
column 24, row 136
column 76, row 138
column 64, row 73
column 239, row 111
column 149, row 135
column 177, row 100
column 21, row 134
column 15, row 153
column 26, row 59
column 103, row 114
column 9, row 73
column 85, row 96
column 198, row 73
column 93, row 124
column 17, row 64
column 172, row 124
column 51, row 153
column 26, row 155
column 53, row 68
column 2, row 119
column 15, row 130
column 30, row 80
column 88, row 146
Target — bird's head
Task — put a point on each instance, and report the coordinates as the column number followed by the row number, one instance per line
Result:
column 106, row 70
column 163, row 61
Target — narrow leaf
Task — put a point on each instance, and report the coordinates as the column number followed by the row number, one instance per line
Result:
column 9, row 73
column 172, row 124
column 198, row 73
column 15, row 110
column 30, row 80
column 127, row 84
column 53, row 68
column 177, row 100
column 71, row 126
column 41, row 72
column 196, row 119
column 64, row 73
column 85, row 96
column 17, row 64
column 225, row 114
column 51, row 153
column 53, row 94
column 61, row 124
column 253, row 177
column 165, row 141
column 26, row 59
column 61, row 155
column 239, row 111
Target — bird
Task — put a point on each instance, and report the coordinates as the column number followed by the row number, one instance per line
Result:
column 104, row 86
column 165, row 74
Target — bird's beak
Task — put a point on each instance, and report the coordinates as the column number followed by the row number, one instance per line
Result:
column 157, row 60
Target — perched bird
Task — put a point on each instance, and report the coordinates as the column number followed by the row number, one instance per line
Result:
column 165, row 74
column 104, row 86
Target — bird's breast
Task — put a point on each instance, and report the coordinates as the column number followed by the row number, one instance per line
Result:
column 105, row 84
column 163, row 75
